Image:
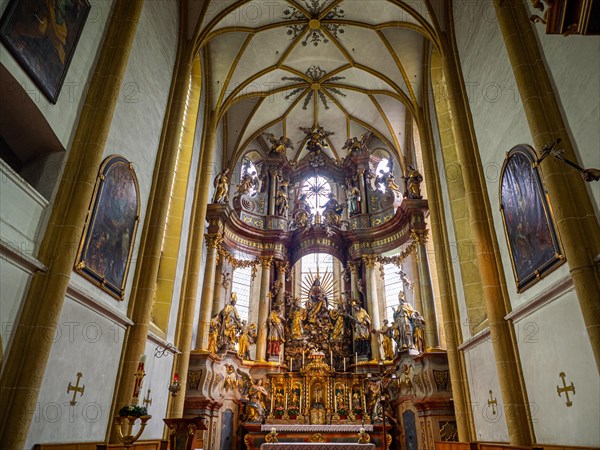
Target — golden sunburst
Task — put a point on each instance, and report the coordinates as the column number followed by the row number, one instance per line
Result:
column 327, row 284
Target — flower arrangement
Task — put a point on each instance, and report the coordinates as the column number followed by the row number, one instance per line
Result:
column 133, row 411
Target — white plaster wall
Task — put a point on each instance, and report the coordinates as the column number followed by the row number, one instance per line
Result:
column 85, row 342
column 498, row 116
column 574, row 67
column 482, row 377
column 138, row 120
column 158, row 377
column 62, row 117
column 14, row 281
column 552, row 340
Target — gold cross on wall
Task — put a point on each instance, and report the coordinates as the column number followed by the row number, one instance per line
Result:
column 75, row 389
column 566, row 389
column 147, row 401
column 492, row 402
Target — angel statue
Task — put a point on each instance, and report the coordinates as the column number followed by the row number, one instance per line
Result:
column 221, row 184
column 279, row 145
column 315, row 139
column 357, row 145
column 255, row 396
column 413, row 182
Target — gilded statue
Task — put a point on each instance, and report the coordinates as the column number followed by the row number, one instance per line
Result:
column 333, row 211
column 281, row 202
column 246, row 184
column 244, row 341
column 386, row 333
column 302, row 214
column 226, row 281
column 255, row 397
column 419, row 331
column 276, row 335
column 403, row 325
column 213, row 334
column 362, row 330
column 317, row 304
column 338, row 316
column 357, row 145
column 221, row 184
column 230, row 324
column 297, row 317
column 413, row 182
column 280, row 145
column 390, row 183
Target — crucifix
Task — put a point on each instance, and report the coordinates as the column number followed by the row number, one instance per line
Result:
column 75, row 389
column 566, row 389
column 493, row 403
column 147, row 401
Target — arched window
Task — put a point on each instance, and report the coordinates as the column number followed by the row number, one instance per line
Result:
column 383, row 168
column 249, row 168
column 242, row 279
column 317, row 190
column 393, row 286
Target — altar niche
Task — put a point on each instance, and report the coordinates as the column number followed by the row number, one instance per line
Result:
column 317, row 395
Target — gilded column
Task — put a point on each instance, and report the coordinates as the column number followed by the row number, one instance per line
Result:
column 573, row 211
column 492, row 274
column 373, row 305
column 263, row 309
column 432, row 338
column 34, row 333
column 213, row 242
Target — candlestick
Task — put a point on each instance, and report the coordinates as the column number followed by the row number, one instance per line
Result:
column 286, row 400
column 292, row 363
column 272, row 398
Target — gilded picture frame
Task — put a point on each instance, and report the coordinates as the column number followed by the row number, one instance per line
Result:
column 106, row 247
column 42, row 36
column 533, row 242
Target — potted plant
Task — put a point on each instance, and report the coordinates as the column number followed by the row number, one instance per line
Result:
column 126, row 419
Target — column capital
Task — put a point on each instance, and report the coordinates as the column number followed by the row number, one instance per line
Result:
column 419, row 235
column 282, row 265
column 213, row 240
column 370, row 261
column 353, row 266
column 266, row 261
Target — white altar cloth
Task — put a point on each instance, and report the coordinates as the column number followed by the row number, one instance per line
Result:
column 299, row 428
column 317, row 446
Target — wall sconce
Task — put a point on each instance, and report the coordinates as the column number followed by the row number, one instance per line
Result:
column 175, row 387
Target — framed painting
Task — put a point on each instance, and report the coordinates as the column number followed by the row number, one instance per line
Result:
column 106, row 246
column 42, row 36
column 533, row 243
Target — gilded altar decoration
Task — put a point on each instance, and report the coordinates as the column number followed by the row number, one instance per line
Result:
column 221, row 184
column 109, row 231
column 413, row 182
column 230, row 326
column 528, row 223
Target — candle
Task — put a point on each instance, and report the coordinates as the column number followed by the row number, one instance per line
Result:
column 286, row 400
column 273, row 430
column 362, row 430
column 344, row 363
column 176, row 377
column 302, row 358
column 143, row 358
column 331, row 358
column 272, row 400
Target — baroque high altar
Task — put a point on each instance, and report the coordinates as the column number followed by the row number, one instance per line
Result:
column 317, row 361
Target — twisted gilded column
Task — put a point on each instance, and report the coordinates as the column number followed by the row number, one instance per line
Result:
column 34, row 333
column 213, row 242
column 263, row 309
column 373, row 304
column 571, row 205
column 432, row 338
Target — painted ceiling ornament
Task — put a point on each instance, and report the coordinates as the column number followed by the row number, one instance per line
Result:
column 315, row 34
column 315, row 73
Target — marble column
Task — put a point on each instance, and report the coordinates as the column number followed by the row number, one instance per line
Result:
column 35, row 331
column 363, row 191
column 217, row 302
column 264, row 307
column 573, row 210
column 373, row 305
column 213, row 242
column 432, row 339
column 354, row 266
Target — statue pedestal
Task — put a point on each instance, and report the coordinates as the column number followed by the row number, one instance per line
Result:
column 183, row 433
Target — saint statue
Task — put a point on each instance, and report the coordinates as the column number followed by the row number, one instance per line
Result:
column 362, row 330
column 333, row 211
column 297, row 317
column 246, row 184
column 317, row 304
column 413, row 183
column 301, row 212
column 244, row 341
column 419, row 331
column 386, row 333
column 402, row 323
column 221, row 184
column 230, row 324
column 338, row 316
column 276, row 333
column 281, row 202
column 353, row 198
column 213, row 334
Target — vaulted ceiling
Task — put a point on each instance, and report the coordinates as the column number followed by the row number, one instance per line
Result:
column 350, row 66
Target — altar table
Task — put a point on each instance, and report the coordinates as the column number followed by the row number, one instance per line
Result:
column 317, row 446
